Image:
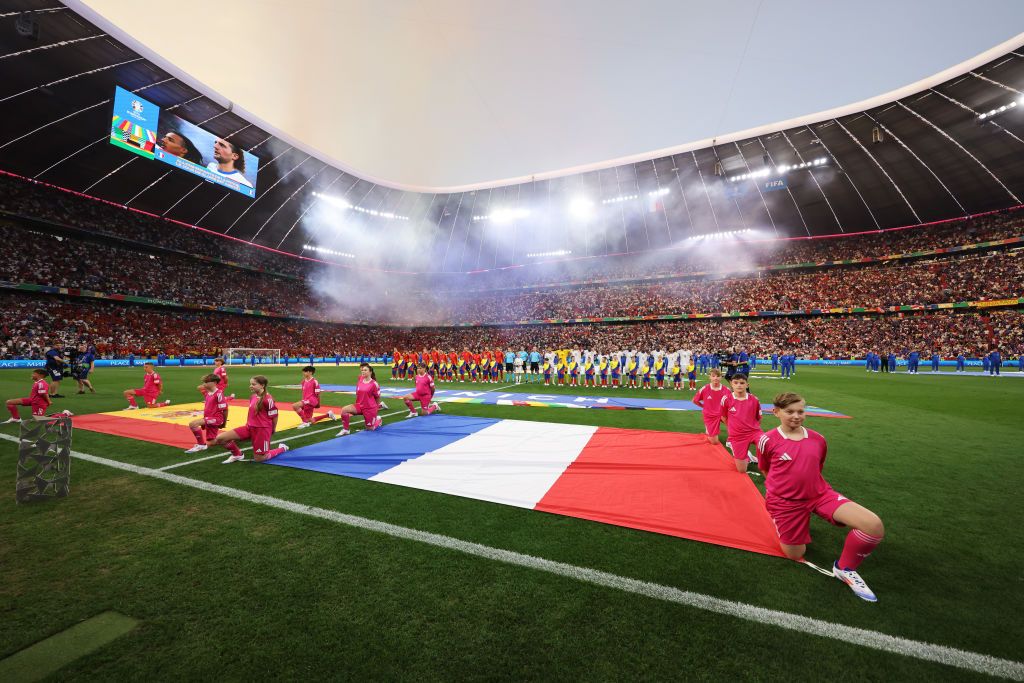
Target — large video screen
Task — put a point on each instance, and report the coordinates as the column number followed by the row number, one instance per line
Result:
column 138, row 126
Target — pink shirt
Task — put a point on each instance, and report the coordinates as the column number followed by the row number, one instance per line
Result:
column 261, row 415
column 151, row 384
column 222, row 373
column 40, row 394
column 424, row 385
column 711, row 399
column 743, row 418
column 311, row 392
column 367, row 394
column 215, row 408
column 792, row 469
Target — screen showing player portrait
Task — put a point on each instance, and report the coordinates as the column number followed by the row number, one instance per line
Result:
column 190, row 148
column 139, row 127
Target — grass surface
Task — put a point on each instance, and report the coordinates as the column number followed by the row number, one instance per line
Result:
column 224, row 587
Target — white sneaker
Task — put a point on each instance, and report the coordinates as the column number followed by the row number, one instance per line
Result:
column 383, row 405
column 198, row 448
column 164, row 404
column 66, row 413
column 231, row 396
column 233, row 458
column 331, row 415
column 343, row 432
column 412, row 414
column 12, row 421
column 437, row 407
column 377, row 423
column 304, row 425
column 853, row 580
column 132, row 408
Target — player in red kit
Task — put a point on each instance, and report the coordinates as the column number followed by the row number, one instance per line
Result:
column 310, row 400
column 259, row 426
column 423, row 393
column 709, row 398
column 152, row 387
column 215, row 413
column 38, row 399
column 792, row 458
column 367, row 401
column 741, row 412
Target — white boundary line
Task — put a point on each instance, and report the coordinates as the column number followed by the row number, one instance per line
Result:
column 249, row 448
column 942, row 654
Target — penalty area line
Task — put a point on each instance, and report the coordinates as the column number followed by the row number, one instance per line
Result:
column 929, row 652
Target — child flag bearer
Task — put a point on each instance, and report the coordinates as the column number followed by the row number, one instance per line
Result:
column 742, row 414
column 259, row 426
column 215, row 413
column 152, row 387
column 310, row 400
column 38, row 399
column 423, row 393
column 791, row 458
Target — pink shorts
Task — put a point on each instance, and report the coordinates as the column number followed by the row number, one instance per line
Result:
column 306, row 411
column 740, row 445
column 424, row 398
column 793, row 517
column 260, row 437
column 712, row 425
column 147, row 395
column 211, row 431
column 37, row 410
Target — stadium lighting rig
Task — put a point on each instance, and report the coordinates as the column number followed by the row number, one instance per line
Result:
column 503, row 215
column 720, row 235
column 660, row 192
column 342, row 204
column 779, row 170
column 620, row 199
column 545, row 254
column 1000, row 110
column 330, row 252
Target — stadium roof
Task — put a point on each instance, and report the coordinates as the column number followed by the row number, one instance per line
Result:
column 937, row 159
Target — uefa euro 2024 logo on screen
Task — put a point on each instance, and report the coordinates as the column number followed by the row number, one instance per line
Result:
column 136, row 109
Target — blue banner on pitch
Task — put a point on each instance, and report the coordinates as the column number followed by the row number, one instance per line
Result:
column 540, row 400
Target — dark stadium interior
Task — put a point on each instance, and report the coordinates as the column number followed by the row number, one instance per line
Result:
column 937, row 160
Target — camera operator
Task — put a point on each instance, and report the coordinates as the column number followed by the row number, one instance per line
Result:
column 56, row 368
column 82, row 362
column 729, row 360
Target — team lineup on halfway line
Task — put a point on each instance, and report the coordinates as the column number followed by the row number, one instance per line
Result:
column 790, row 456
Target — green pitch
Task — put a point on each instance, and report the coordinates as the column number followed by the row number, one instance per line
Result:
column 227, row 588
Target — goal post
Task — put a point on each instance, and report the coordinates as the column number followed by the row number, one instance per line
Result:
column 248, row 356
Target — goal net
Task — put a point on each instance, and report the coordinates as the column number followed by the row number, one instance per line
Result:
column 244, row 356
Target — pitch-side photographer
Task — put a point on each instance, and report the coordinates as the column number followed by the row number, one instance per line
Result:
column 56, row 368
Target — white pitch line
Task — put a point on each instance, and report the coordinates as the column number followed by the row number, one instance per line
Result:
column 249, row 448
column 929, row 652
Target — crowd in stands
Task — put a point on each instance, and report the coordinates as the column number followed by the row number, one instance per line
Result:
column 37, row 201
column 996, row 275
column 709, row 256
column 32, row 321
column 114, row 268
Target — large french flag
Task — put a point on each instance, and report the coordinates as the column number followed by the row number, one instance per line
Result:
column 666, row 482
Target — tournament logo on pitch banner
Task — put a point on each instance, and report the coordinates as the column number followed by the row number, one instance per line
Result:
column 134, row 123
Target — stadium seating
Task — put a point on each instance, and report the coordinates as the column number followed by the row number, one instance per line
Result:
column 76, row 243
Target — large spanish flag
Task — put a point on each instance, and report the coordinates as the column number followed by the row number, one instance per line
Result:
column 169, row 426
